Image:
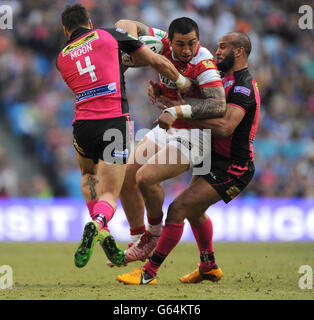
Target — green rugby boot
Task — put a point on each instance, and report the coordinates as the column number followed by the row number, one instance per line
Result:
column 111, row 248
column 86, row 246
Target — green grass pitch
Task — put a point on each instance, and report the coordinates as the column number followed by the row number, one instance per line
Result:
column 251, row 271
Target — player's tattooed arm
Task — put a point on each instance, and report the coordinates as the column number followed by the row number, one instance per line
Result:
column 212, row 104
column 142, row 29
column 90, row 184
column 134, row 28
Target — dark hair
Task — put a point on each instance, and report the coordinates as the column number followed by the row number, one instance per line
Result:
column 74, row 16
column 182, row 25
column 242, row 40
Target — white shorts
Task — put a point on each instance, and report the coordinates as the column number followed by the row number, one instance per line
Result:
column 195, row 144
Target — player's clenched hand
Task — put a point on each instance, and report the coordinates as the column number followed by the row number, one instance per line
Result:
column 165, row 120
column 171, row 103
column 154, row 91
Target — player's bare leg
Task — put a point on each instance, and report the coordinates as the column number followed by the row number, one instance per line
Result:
column 89, row 177
column 196, row 220
column 89, row 181
column 111, row 177
column 148, row 178
column 142, row 242
column 105, row 196
column 131, row 197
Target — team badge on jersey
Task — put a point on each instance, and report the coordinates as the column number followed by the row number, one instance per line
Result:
column 208, row 64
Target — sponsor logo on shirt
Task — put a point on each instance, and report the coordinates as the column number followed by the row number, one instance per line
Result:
column 79, row 43
column 185, row 143
column 167, row 82
column 120, row 154
column 243, row 90
column 96, row 92
column 228, row 84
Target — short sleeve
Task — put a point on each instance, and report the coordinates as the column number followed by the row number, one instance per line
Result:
column 241, row 96
column 208, row 74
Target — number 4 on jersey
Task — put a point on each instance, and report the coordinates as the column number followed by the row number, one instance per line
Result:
column 89, row 68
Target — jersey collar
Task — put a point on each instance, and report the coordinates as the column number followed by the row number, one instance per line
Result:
column 77, row 33
column 198, row 49
column 241, row 71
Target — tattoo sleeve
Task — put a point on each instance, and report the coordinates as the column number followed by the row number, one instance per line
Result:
column 212, row 104
column 142, row 29
column 91, row 184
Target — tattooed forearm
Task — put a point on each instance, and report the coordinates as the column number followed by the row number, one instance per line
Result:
column 134, row 28
column 212, row 104
column 91, row 184
column 142, row 29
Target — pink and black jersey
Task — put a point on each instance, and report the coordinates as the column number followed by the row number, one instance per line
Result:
column 241, row 92
column 201, row 69
column 90, row 65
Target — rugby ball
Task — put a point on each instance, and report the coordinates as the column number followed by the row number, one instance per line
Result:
column 151, row 42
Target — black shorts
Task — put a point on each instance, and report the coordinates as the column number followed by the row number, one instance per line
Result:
column 105, row 139
column 229, row 178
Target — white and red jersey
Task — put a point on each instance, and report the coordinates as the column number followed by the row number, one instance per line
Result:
column 201, row 69
column 90, row 65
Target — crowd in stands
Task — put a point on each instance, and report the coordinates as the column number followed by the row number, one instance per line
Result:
column 39, row 107
column 12, row 185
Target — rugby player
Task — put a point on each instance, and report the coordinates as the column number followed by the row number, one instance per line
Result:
column 90, row 64
column 231, row 171
column 181, row 46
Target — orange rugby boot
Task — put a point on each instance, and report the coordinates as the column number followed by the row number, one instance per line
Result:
column 138, row 276
column 197, row 276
